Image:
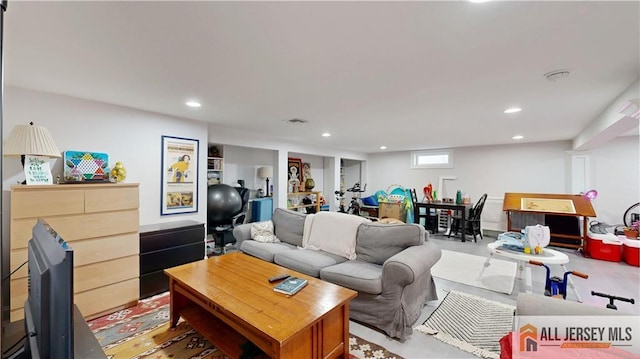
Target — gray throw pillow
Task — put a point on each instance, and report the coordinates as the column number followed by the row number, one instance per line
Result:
column 377, row 242
column 288, row 225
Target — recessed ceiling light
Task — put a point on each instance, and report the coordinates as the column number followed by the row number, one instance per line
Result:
column 512, row 110
column 193, row 103
column 478, row 1
column 383, row 147
column 517, row 137
column 326, row 134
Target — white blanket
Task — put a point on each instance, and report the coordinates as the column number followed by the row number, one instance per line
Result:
column 332, row 232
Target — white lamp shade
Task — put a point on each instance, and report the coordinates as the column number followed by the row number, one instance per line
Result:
column 30, row 140
column 265, row 172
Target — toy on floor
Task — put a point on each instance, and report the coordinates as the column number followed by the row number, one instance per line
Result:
column 612, row 298
column 555, row 286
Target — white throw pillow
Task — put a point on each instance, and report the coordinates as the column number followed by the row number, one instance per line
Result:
column 263, row 232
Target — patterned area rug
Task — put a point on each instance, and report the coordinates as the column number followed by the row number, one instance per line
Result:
column 143, row 332
column 470, row 323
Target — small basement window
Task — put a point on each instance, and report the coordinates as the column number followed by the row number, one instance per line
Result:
column 432, row 159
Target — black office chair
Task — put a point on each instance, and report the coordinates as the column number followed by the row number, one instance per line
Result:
column 430, row 220
column 226, row 208
column 472, row 221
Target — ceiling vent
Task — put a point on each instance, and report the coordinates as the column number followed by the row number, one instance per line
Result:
column 296, row 121
column 557, row 75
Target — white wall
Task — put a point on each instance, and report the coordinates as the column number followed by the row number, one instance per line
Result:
column 614, row 169
column 282, row 150
column 529, row 167
column 134, row 137
column 352, row 175
column 243, row 163
column 127, row 135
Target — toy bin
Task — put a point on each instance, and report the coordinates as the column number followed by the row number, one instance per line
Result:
column 631, row 251
column 606, row 247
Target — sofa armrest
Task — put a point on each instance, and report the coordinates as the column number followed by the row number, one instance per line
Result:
column 242, row 233
column 403, row 268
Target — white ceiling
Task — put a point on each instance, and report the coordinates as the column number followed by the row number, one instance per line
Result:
column 408, row 75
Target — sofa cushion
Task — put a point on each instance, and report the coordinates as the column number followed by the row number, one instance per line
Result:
column 307, row 261
column 375, row 243
column 358, row 275
column 265, row 251
column 288, row 225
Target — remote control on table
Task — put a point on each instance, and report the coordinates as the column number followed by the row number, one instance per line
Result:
column 278, row 277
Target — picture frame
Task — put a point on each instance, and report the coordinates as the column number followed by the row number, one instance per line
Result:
column 179, row 174
column 306, row 172
column 294, row 173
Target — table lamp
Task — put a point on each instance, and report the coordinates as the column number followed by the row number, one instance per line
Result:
column 591, row 195
column 266, row 173
column 30, row 140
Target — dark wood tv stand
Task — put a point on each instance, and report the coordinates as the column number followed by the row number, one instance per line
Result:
column 85, row 344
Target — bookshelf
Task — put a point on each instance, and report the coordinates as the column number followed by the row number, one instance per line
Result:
column 294, row 200
column 215, row 166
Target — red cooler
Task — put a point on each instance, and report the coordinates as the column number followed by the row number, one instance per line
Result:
column 606, row 247
column 631, row 251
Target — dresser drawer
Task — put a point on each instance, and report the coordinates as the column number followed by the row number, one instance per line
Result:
column 102, row 249
column 171, row 257
column 153, row 238
column 42, row 202
column 95, row 225
column 114, row 198
column 104, row 299
column 100, row 274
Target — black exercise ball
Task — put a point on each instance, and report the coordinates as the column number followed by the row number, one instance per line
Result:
column 223, row 202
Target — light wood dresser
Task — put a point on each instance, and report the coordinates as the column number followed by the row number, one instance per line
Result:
column 100, row 222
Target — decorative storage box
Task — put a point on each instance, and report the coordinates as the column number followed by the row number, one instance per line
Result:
column 392, row 210
column 606, row 247
column 631, row 251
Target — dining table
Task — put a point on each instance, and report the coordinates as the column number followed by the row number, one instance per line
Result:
column 463, row 208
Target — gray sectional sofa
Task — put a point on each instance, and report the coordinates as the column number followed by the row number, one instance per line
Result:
column 389, row 266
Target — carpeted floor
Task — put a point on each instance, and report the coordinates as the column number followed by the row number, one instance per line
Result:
column 143, row 332
column 470, row 323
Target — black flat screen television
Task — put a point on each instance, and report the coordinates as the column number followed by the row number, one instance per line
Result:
column 48, row 310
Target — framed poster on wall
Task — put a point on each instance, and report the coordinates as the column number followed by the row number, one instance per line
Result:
column 179, row 175
column 295, row 173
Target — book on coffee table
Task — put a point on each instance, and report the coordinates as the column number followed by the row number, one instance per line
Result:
column 291, row 285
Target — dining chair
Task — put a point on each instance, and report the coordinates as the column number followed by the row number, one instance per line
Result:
column 430, row 219
column 472, row 221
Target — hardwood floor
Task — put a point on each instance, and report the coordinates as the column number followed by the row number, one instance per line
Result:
column 608, row 277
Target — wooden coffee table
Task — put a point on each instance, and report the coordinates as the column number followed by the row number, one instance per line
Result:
column 229, row 300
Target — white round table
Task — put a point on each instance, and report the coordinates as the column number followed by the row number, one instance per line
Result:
column 548, row 256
